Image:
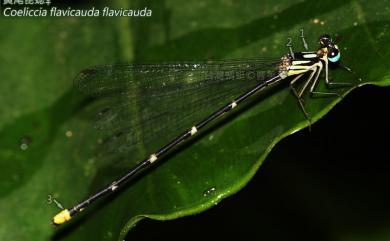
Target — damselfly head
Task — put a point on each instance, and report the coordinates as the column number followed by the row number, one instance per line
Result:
column 325, row 40
column 333, row 52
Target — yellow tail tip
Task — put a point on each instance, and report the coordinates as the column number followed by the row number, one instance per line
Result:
column 62, row 217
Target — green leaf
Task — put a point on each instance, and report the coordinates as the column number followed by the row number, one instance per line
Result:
column 40, row 107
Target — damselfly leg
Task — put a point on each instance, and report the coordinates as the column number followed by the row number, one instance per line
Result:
column 299, row 98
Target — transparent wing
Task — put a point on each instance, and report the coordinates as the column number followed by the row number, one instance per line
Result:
column 147, row 105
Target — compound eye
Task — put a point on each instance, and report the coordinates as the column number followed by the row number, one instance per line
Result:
column 333, row 55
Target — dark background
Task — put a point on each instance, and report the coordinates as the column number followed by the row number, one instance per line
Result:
column 330, row 183
column 298, row 194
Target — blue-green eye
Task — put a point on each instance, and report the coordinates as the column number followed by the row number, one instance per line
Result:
column 335, row 58
column 333, row 54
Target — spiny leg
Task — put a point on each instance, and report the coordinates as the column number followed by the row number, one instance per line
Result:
column 334, row 84
column 319, row 93
column 313, row 71
column 300, row 100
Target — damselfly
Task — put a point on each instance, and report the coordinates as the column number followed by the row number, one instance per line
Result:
column 171, row 87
